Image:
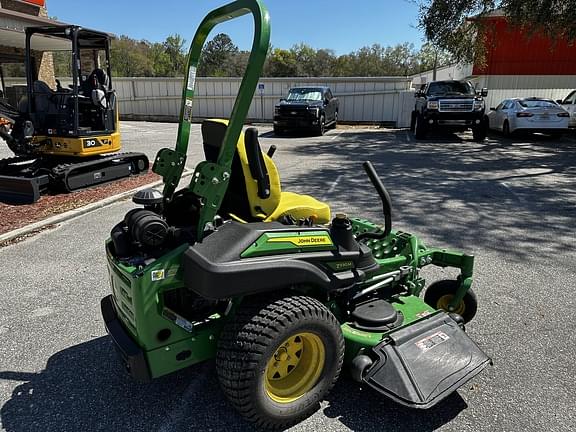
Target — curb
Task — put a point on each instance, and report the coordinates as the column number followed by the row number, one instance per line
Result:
column 71, row 214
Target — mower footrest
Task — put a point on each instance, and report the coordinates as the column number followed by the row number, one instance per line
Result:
column 420, row 365
column 22, row 190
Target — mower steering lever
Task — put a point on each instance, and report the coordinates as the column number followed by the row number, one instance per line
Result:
column 386, row 202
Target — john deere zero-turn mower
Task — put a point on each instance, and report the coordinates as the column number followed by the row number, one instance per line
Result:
column 265, row 282
column 64, row 139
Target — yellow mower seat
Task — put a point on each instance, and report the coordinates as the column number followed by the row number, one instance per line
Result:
column 254, row 191
column 300, row 207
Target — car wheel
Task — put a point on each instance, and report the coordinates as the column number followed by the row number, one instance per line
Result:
column 277, row 360
column 506, row 129
column 321, row 125
column 439, row 295
column 420, row 130
column 479, row 132
column 278, row 131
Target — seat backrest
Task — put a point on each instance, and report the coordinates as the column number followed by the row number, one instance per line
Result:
column 43, row 97
column 97, row 80
column 245, row 196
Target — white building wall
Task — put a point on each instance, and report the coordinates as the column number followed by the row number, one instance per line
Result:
column 378, row 100
column 452, row 72
column 502, row 87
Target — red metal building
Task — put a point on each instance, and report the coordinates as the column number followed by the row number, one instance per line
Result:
column 512, row 50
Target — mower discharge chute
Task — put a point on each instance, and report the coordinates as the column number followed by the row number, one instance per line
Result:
column 264, row 281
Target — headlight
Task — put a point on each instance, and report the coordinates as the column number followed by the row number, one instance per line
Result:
column 478, row 104
column 432, row 105
column 276, row 110
column 314, row 110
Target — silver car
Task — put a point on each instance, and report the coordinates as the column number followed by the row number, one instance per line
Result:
column 569, row 104
column 529, row 115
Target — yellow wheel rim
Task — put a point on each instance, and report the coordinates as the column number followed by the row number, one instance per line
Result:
column 444, row 302
column 295, row 367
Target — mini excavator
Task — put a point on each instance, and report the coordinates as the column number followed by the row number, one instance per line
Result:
column 68, row 138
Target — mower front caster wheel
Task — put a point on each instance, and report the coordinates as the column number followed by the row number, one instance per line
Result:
column 440, row 294
column 277, row 360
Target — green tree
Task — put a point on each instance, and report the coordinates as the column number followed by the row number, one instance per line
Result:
column 344, row 65
column 448, row 26
column 281, row 63
column 174, row 50
column 161, row 60
column 130, row 57
column 430, row 56
column 217, row 57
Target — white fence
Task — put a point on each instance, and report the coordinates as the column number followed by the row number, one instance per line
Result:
column 372, row 100
column 379, row 100
column 386, row 100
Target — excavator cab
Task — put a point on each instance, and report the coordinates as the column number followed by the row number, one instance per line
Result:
column 79, row 119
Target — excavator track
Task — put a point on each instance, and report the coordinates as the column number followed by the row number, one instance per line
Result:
column 24, row 178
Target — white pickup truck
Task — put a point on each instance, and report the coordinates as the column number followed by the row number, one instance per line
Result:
column 569, row 104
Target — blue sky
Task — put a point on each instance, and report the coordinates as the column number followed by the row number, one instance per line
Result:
column 340, row 25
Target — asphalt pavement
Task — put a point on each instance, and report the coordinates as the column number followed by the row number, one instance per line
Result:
column 511, row 203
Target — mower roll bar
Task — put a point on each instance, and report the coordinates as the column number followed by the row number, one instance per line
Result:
column 386, row 203
column 210, row 180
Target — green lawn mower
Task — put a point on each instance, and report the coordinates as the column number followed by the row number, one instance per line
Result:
column 265, row 282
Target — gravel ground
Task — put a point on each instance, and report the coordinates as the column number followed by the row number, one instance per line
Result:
column 510, row 202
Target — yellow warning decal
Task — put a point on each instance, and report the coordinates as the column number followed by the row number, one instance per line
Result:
column 303, row 240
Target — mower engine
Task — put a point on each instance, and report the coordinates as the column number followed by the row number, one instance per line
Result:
column 146, row 233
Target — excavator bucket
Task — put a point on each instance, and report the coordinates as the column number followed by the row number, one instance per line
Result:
column 22, row 190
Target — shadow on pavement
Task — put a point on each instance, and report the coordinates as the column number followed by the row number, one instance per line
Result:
column 366, row 410
column 84, row 388
column 459, row 193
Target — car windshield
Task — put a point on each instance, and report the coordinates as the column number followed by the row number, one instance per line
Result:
column 450, row 88
column 308, row 94
column 538, row 103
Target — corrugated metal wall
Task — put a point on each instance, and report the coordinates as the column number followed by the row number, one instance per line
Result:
column 452, row 72
column 361, row 99
column 502, row 87
column 384, row 99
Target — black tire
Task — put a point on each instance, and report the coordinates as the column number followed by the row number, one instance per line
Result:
column 321, row 125
column 556, row 135
column 420, row 130
column 278, row 131
column 255, row 336
column 506, row 129
column 438, row 294
column 412, row 121
column 479, row 132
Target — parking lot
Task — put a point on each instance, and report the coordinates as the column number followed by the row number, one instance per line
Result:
column 510, row 202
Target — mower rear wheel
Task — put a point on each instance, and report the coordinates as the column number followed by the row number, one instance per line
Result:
column 440, row 294
column 277, row 360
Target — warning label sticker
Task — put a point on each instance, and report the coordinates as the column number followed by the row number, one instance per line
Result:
column 157, row 275
column 191, row 78
column 431, row 341
column 188, row 111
